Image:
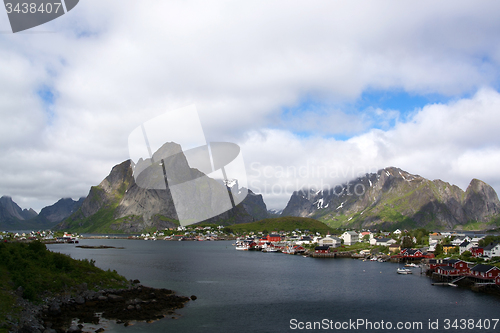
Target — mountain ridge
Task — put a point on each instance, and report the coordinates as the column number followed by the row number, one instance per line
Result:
column 392, row 197
column 14, row 218
column 122, row 203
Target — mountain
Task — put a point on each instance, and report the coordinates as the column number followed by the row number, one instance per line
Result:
column 11, row 214
column 60, row 210
column 393, row 198
column 124, row 204
column 274, row 212
column 12, row 217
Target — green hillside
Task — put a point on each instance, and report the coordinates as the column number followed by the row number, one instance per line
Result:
column 35, row 271
column 287, row 223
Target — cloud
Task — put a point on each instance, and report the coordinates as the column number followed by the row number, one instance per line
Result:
column 454, row 142
column 113, row 65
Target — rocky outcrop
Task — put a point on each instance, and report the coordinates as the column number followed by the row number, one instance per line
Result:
column 393, row 197
column 58, row 313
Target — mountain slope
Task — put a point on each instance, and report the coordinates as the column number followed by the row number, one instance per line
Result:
column 393, row 198
column 12, row 217
column 119, row 204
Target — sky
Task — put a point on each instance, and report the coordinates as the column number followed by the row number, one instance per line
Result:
column 314, row 92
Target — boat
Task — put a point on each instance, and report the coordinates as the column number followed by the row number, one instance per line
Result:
column 245, row 245
column 404, row 271
column 411, row 265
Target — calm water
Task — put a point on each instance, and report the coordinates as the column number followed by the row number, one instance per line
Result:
column 240, row 291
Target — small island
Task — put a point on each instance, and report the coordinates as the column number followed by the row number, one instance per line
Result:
column 45, row 291
column 98, row 247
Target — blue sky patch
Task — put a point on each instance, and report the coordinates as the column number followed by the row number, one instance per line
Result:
column 380, row 109
column 48, row 98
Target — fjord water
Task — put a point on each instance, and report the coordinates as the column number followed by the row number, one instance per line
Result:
column 241, row 291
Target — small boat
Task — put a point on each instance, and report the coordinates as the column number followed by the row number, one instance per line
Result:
column 270, row 249
column 411, row 265
column 404, row 271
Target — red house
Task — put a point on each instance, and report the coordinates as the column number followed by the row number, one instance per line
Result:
column 411, row 253
column 322, row 249
column 486, row 272
column 477, row 251
column 435, row 263
column 273, row 238
column 454, row 267
column 459, row 265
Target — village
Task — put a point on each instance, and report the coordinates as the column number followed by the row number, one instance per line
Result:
column 449, row 258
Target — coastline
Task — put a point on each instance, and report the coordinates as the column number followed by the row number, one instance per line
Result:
column 136, row 303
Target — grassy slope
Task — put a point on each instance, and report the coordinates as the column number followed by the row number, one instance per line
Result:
column 287, row 223
column 37, row 270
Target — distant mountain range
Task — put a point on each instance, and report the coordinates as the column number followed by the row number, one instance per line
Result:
column 393, row 198
column 389, row 199
column 12, row 217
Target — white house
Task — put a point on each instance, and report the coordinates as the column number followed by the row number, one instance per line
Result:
column 397, row 232
column 382, row 241
column 434, row 239
column 465, row 246
column 350, row 237
column 330, row 241
column 492, row 250
column 459, row 240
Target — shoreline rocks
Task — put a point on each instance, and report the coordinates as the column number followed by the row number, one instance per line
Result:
column 124, row 306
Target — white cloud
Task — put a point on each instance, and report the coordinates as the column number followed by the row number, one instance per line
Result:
column 115, row 64
column 454, row 142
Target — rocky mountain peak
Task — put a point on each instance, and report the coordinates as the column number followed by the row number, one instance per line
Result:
column 392, row 196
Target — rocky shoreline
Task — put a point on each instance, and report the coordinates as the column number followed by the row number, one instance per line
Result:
column 57, row 314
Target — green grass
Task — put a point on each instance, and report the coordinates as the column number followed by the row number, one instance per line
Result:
column 7, row 300
column 287, row 223
column 35, row 269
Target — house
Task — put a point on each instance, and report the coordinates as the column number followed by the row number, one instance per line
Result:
column 452, row 267
column 460, row 239
column 448, row 247
column 397, row 232
column 330, row 241
column 305, row 240
column 322, row 249
column 365, row 233
column 273, row 238
column 485, row 272
column 447, row 270
column 382, row 241
column 350, row 237
column 477, row 251
column 459, row 265
column 435, row 238
column 465, row 246
column 435, row 263
column 412, row 253
column 492, row 250
column 394, row 248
